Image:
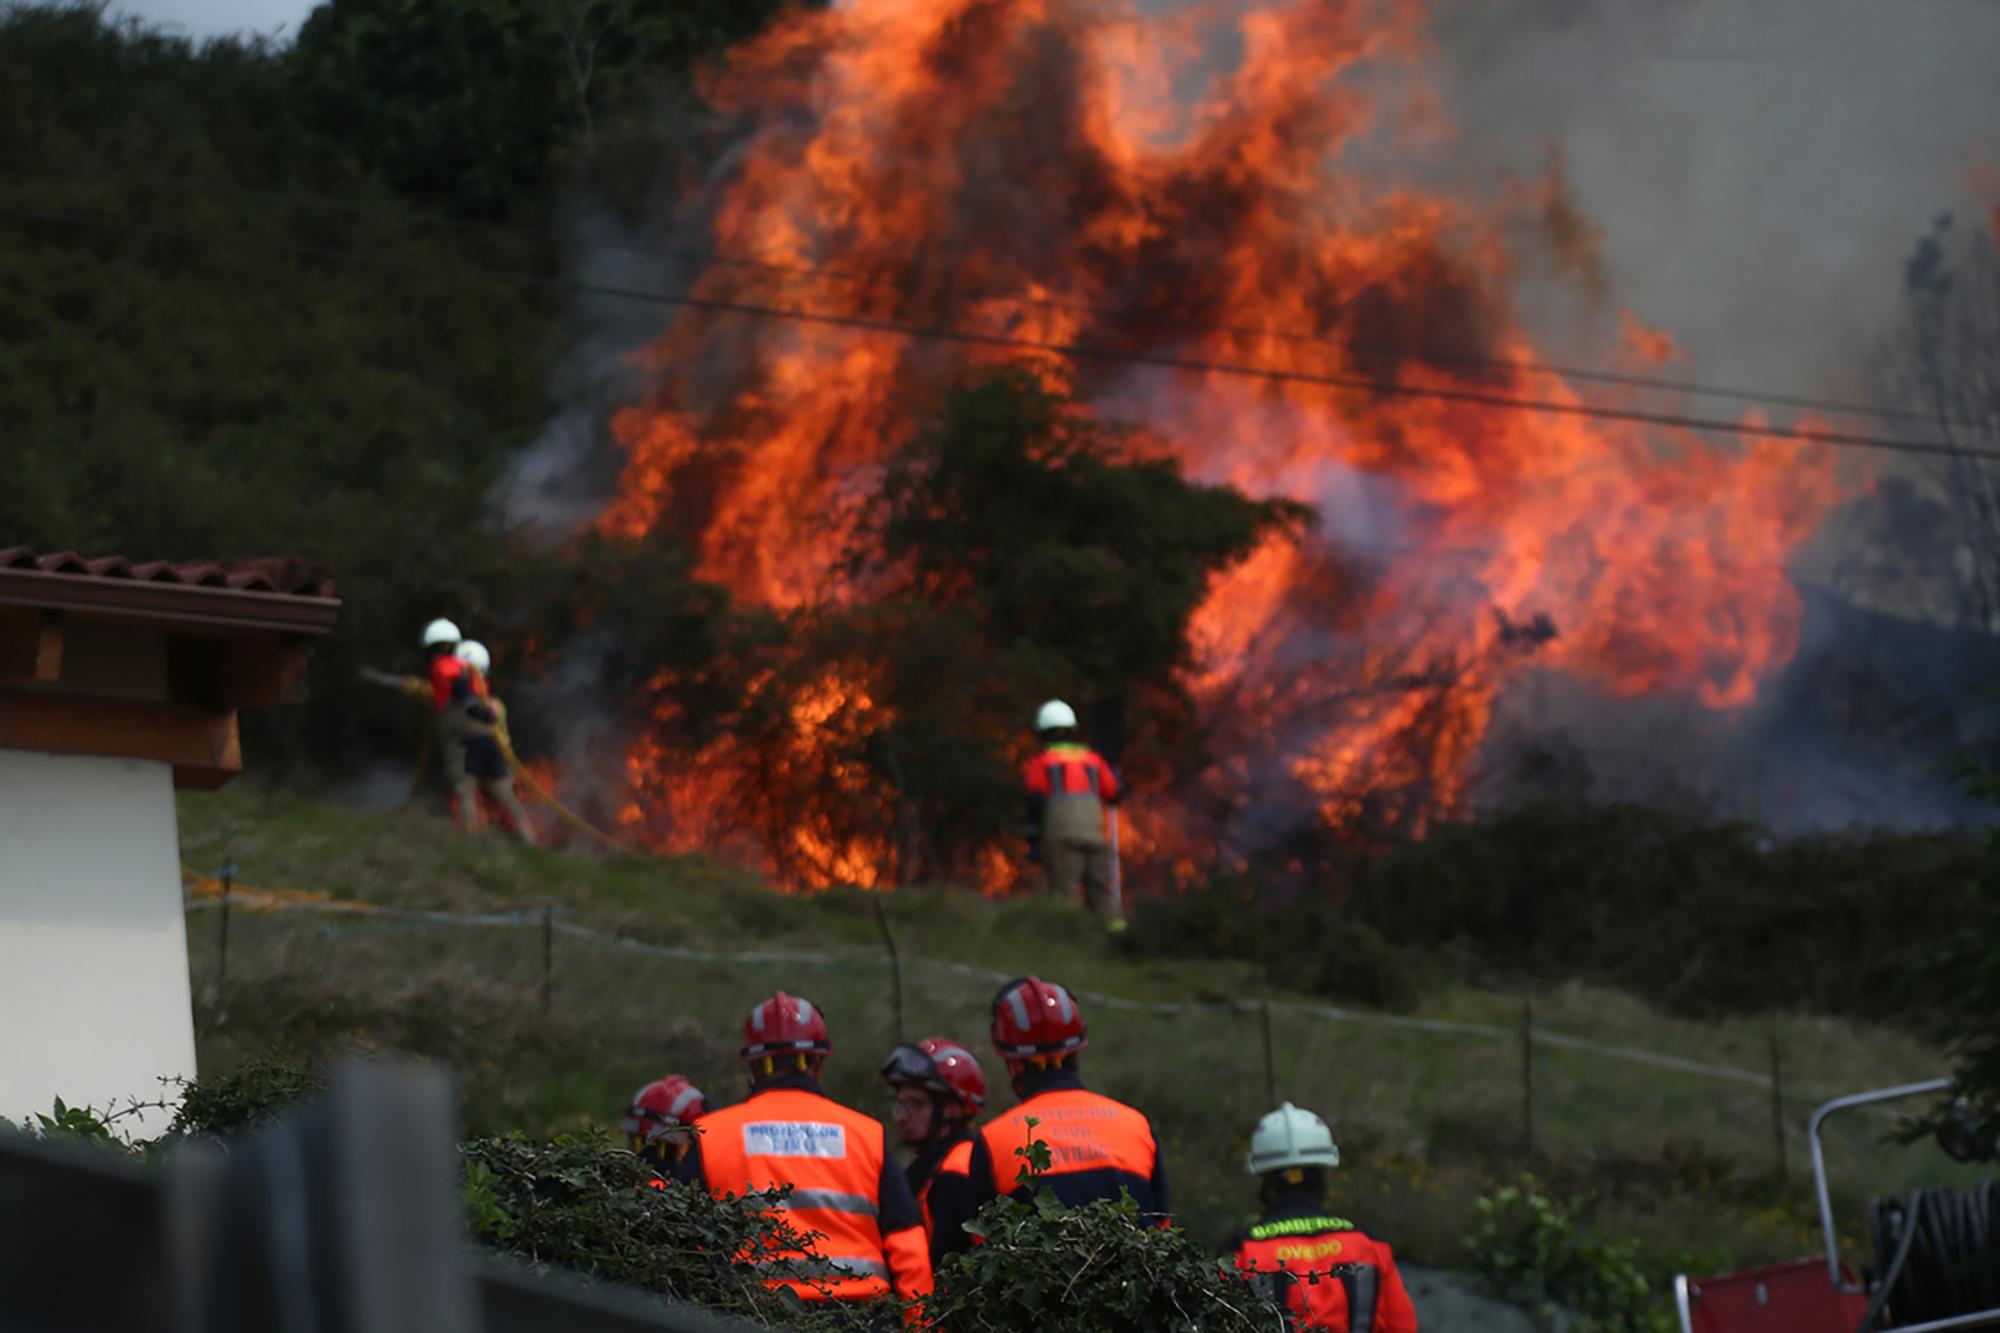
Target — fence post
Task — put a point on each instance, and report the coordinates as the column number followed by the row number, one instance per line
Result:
column 1528, row 1075
column 548, row 956
column 895, row 962
column 1778, row 1109
column 1270, row 1060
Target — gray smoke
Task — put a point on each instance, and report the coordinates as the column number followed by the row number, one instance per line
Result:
column 1747, row 175
column 562, row 481
column 1758, row 171
column 1753, row 179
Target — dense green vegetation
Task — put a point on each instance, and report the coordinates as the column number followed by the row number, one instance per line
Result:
column 1698, row 916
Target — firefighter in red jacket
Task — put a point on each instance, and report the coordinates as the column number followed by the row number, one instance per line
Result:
column 1324, row 1270
column 1070, row 791
column 1098, row 1147
column 659, row 1123
column 847, row 1190
column 443, row 670
column 939, row 1090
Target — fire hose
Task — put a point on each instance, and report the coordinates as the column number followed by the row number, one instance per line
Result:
column 1939, row 1254
column 534, row 784
column 417, row 689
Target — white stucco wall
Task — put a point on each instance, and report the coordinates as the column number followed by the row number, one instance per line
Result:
column 94, row 1003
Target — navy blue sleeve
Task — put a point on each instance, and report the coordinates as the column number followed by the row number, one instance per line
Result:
column 688, row 1169
column 979, row 1175
column 896, row 1207
column 953, row 1204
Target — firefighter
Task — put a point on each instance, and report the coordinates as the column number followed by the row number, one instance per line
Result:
column 442, row 667
column 658, row 1123
column 845, row 1185
column 1097, row 1146
column 939, row 1090
column 444, row 675
column 471, row 725
column 1324, row 1270
column 1070, row 789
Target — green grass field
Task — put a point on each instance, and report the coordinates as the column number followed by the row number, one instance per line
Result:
column 1428, row 1120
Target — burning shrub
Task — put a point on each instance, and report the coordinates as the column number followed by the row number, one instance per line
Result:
column 916, row 193
column 1013, row 550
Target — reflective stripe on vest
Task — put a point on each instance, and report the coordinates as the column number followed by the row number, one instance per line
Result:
column 831, row 1158
column 1083, row 1131
column 832, row 1200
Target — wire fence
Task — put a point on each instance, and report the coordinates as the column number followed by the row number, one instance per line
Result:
column 1544, row 1109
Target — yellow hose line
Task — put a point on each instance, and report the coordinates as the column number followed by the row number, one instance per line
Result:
column 418, row 689
column 567, row 815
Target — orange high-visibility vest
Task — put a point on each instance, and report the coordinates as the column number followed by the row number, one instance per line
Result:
column 1097, row 1146
column 1328, row 1274
column 832, row 1158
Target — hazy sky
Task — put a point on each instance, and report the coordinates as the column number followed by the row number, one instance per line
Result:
column 211, row 18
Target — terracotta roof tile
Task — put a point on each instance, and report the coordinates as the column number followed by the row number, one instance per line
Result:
column 287, row 575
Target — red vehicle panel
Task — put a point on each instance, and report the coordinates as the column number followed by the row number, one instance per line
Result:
column 1784, row 1298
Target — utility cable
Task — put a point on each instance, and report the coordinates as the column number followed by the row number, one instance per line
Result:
column 1067, row 350
column 909, row 279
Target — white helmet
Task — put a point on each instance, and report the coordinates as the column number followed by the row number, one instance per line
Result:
column 1290, row 1136
column 1055, row 714
column 473, row 653
column 440, row 631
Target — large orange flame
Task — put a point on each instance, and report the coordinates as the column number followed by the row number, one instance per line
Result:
column 1062, row 174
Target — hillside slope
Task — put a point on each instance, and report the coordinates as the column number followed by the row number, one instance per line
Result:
column 1429, row 1112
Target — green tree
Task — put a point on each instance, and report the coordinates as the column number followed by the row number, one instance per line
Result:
column 484, row 108
column 458, row 104
column 1068, row 544
column 1034, row 552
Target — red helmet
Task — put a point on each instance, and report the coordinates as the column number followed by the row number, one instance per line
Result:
column 1034, row 1017
column 942, row 1066
column 659, row 1109
column 785, row 1025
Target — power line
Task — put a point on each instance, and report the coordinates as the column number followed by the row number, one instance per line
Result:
column 1070, row 351
column 910, row 277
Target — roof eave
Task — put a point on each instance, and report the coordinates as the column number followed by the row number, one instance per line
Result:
column 173, row 605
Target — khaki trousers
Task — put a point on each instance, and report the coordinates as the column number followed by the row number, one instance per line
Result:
column 455, row 728
column 1069, row 862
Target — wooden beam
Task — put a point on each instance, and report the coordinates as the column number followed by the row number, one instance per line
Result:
column 253, row 671
column 31, row 644
column 201, row 744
